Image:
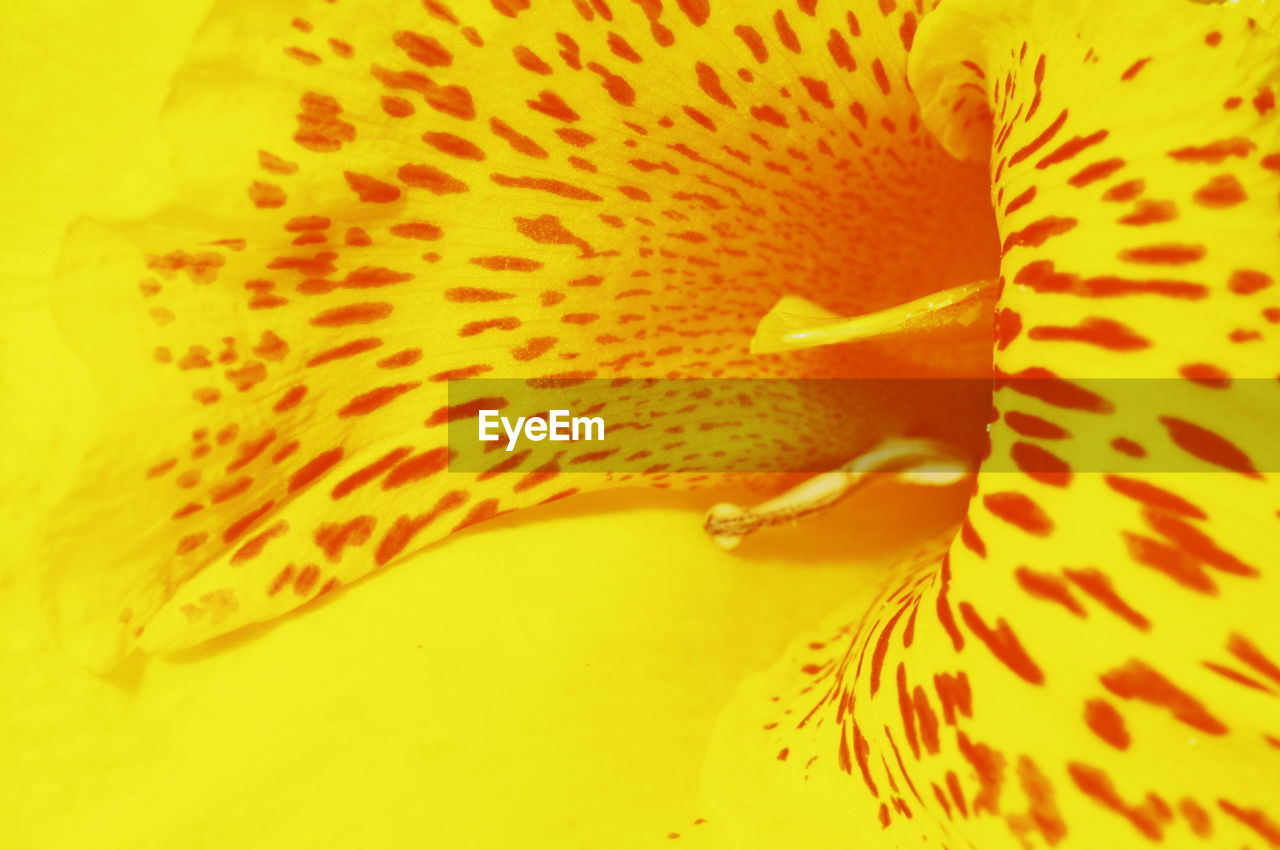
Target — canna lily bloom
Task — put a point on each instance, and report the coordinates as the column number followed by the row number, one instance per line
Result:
column 373, row 201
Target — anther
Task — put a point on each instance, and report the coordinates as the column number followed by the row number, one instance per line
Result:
column 796, row 322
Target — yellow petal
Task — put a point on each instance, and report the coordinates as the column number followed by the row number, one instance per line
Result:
column 1093, row 661
column 373, row 204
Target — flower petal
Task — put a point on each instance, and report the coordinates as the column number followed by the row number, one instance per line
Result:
column 1092, row 663
column 377, row 200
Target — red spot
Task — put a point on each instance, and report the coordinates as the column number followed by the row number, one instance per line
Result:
column 839, row 50
column 534, row 348
column 1221, row 191
column 366, row 403
column 1098, row 787
column 1071, row 148
column 971, row 540
column 988, row 764
column 1171, row 561
column 1265, row 101
column 427, row 177
column 1096, row 171
column 530, row 61
column 1039, row 141
column 274, row 164
column 1128, row 447
column 786, row 34
column 1153, row 496
column 161, row 468
column 619, row 47
column 882, row 78
column 281, row 579
column 928, row 720
column 510, row 8
column 555, row 187
column 1041, row 465
column 1196, row 817
column 506, row 323
column 954, row 694
column 519, row 142
column 314, row 468
column 754, row 42
column 507, row 264
column 1038, row 232
column 266, row 195
column 881, row 649
column 418, row 468
column 396, row 107
column 1266, row 828
column 1019, row 510
column 1206, row 374
column 479, row 513
column 861, row 753
column 448, row 143
column 1104, row 333
column 769, row 115
column 1197, row 544
column 423, row 49
column 1132, row 70
column 1213, row 39
column 1038, row 382
column 541, row 475
column 1021, row 201
column 1209, row 446
column 552, row 105
column 1044, row 812
column 1164, row 254
column 352, row 314
column 472, row 295
column 819, row 91
column 319, row 127
column 370, row 189
column 1214, row 152
column 290, row 399
column 1248, row 281
column 1099, row 586
column 1004, row 645
column 254, row 546
column 1150, row 212
column 1048, row 587
column 1242, row 648
column 562, row 380
column 244, row 523
column 1106, row 723
column 1137, row 681
column 333, row 537
column 1033, row 426
column 229, row 490
column 945, row 617
column 306, row 579
column 462, row 373
column 907, row 711
column 366, row 474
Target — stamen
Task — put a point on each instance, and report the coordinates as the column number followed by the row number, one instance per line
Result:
column 796, row 322
column 921, row 462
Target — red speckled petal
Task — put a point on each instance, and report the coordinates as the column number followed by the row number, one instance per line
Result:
column 377, row 198
column 1092, row 663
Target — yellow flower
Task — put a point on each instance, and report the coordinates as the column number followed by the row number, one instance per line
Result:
column 371, row 201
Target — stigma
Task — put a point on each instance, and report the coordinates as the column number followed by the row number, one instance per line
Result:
column 910, row 461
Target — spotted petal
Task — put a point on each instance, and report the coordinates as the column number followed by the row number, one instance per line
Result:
column 377, row 200
column 1093, row 661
